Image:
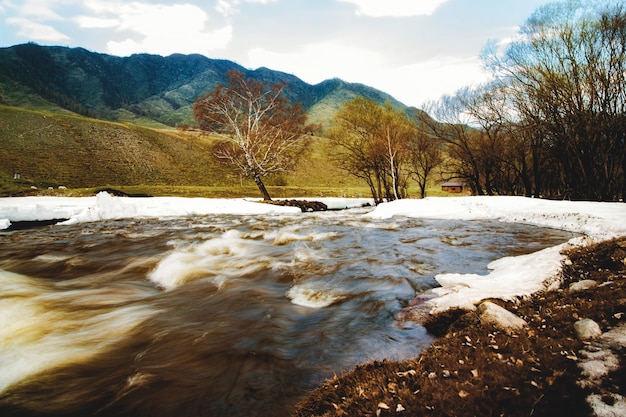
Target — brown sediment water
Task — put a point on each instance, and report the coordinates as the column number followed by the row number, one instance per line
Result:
column 219, row 315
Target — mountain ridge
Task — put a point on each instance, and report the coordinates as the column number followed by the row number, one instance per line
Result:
column 148, row 89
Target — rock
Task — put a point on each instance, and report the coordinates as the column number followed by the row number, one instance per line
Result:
column 585, row 284
column 305, row 206
column 499, row 317
column 587, row 329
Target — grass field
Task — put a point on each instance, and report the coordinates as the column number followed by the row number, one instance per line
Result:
column 50, row 149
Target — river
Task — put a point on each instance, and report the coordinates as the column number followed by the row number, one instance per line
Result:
column 219, row 315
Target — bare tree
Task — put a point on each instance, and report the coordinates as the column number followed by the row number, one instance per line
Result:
column 424, row 156
column 262, row 132
column 462, row 142
column 565, row 76
column 397, row 130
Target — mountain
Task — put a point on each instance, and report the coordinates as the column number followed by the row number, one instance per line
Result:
column 146, row 89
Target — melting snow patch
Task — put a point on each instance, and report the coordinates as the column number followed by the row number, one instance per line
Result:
column 601, row 357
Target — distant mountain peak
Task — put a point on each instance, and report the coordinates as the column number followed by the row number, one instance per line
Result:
column 146, row 88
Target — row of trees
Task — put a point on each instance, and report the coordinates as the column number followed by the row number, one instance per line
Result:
column 552, row 123
column 262, row 133
column 383, row 147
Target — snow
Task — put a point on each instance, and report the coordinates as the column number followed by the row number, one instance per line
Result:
column 599, row 220
column 14, row 209
column 107, row 207
column 511, row 277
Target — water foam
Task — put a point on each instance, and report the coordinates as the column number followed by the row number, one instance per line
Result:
column 306, row 296
column 286, row 236
column 38, row 331
column 216, row 260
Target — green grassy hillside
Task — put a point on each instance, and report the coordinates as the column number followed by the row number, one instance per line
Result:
column 48, row 149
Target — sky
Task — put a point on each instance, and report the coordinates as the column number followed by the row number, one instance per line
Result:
column 415, row 50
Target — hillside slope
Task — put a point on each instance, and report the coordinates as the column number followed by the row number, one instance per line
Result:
column 145, row 89
column 58, row 149
column 49, row 149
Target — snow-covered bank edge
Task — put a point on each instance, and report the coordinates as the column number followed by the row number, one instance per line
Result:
column 510, row 277
column 107, row 207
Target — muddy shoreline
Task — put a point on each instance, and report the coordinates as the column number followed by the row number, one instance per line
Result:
column 478, row 369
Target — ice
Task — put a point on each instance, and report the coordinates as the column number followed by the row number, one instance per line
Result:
column 510, row 277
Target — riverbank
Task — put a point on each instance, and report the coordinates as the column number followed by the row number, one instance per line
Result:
column 543, row 369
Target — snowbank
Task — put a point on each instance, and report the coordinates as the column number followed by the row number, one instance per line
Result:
column 107, row 207
column 510, row 277
column 598, row 220
column 18, row 209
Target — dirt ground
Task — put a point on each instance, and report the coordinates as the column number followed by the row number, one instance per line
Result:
column 478, row 370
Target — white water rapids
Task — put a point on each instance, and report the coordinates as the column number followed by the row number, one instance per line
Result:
column 219, row 315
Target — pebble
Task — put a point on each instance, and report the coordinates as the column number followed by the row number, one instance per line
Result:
column 585, row 284
column 587, row 329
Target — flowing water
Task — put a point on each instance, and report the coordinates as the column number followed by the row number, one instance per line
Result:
column 219, row 315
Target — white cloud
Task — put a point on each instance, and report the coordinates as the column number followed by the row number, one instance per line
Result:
column 316, row 62
column 413, row 84
column 88, row 22
column 180, row 40
column 395, row 8
column 229, row 7
column 36, row 31
column 157, row 28
column 418, row 83
column 168, row 43
column 226, row 8
column 39, row 9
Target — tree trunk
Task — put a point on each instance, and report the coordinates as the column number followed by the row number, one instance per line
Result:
column 422, row 186
column 259, row 183
column 392, row 167
column 623, row 199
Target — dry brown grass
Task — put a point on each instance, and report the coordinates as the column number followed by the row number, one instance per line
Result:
column 474, row 370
